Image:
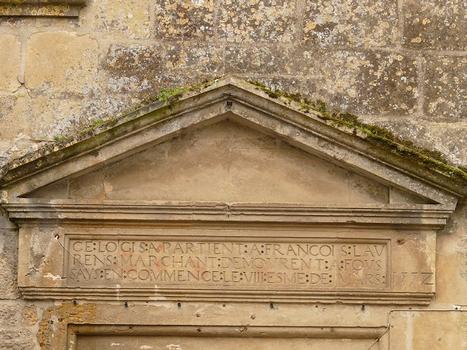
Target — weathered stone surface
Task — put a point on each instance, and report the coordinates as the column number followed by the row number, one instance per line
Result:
column 14, row 314
column 8, row 259
column 15, row 116
column 258, row 20
column 10, row 314
column 201, row 58
column 10, row 58
column 253, row 315
column 13, row 23
column 135, row 67
column 43, row 8
column 61, row 61
column 17, row 339
column 292, row 85
column 228, row 341
column 44, row 124
column 447, row 138
column 153, row 173
column 370, row 250
column 121, row 17
column 434, row 24
column 353, row 23
column 149, row 68
column 453, row 245
column 445, row 88
column 437, row 330
column 364, row 82
column 184, row 19
column 262, row 59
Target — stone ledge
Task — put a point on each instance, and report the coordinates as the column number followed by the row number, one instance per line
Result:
column 41, row 8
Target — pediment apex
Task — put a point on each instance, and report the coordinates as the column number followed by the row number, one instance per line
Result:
column 338, row 138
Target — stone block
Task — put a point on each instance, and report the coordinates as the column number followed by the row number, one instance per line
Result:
column 50, row 116
column 16, row 339
column 448, row 138
column 445, row 88
column 133, row 67
column 8, row 262
column 259, row 20
column 353, row 23
column 434, row 24
column 61, row 61
column 363, row 82
column 452, row 256
column 15, row 313
column 434, row 330
column 10, row 58
column 253, row 60
column 14, row 23
column 144, row 69
column 15, row 116
column 176, row 19
column 130, row 18
column 10, row 314
column 197, row 58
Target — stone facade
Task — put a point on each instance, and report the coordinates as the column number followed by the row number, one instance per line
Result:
column 398, row 64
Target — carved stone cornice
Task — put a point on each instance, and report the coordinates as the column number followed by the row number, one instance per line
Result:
column 41, row 8
column 422, row 216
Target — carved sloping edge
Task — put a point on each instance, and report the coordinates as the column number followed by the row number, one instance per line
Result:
column 232, row 98
column 41, row 8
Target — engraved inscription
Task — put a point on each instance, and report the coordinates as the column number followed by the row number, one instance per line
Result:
column 236, row 264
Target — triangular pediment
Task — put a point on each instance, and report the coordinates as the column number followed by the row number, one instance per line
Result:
column 223, row 162
column 230, row 142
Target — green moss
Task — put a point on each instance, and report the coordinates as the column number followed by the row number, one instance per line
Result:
column 166, row 98
column 60, row 138
column 172, row 94
column 167, row 95
column 431, row 159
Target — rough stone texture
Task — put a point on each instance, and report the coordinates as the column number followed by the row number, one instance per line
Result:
column 357, row 23
column 10, row 62
column 447, row 330
column 8, row 258
column 15, row 117
column 145, row 69
column 365, row 82
column 17, row 339
column 61, row 61
column 445, row 88
column 121, row 17
column 180, row 42
column 135, row 67
column 56, row 8
column 452, row 242
column 258, row 20
column 184, row 19
column 446, row 138
column 434, row 24
column 255, row 59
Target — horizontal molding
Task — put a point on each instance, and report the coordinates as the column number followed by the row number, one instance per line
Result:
column 223, row 295
column 252, row 331
column 434, row 216
column 41, row 8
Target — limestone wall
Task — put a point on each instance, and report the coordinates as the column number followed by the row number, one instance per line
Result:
column 398, row 63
